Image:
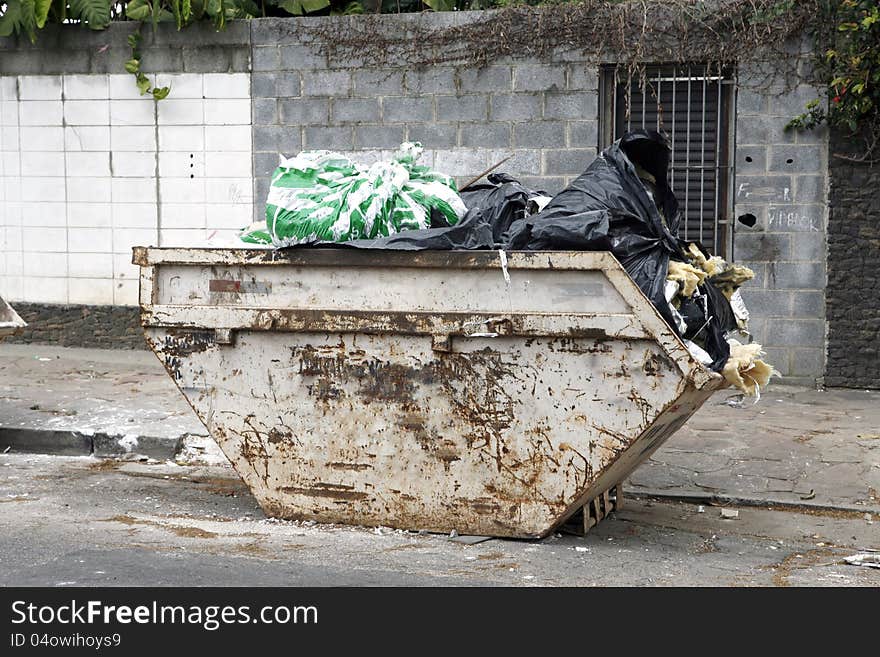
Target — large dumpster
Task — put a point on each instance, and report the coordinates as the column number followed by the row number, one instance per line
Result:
column 487, row 393
column 10, row 322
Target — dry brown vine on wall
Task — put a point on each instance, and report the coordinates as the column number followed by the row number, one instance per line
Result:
column 630, row 33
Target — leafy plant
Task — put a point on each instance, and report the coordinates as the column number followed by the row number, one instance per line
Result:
column 848, row 61
column 186, row 12
column 220, row 11
column 28, row 16
column 441, row 5
column 350, row 9
column 94, row 13
column 306, row 7
column 154, row 12
column 301, row 7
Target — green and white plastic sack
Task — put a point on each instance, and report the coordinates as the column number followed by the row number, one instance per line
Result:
column 321, row 195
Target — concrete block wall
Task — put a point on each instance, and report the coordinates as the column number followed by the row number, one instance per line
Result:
column 782, row 180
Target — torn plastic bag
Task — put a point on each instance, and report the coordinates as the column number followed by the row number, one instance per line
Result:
column 698, row 352
column 473, row 233
column 492, row 208
column 719, row 308
column 708, row 318
column 672, row 289
column 502, row 201
column 321, row 195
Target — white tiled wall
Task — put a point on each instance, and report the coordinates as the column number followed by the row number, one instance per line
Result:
column 89, row 168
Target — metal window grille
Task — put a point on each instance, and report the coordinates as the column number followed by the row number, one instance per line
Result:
column 691, row 105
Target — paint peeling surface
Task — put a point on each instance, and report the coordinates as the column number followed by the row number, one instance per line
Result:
column 441, row 398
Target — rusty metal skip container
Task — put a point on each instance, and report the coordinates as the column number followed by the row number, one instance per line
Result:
column 486, row 393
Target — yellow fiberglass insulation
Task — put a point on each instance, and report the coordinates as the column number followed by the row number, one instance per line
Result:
column 726, row 276
column 731, row 279
column 712, row 266
column 687, row 276
column 745, row 370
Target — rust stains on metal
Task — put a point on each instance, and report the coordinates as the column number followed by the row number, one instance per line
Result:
column 610, row 440
column 447, row 453
column 485, row 505
column 253, row 446
column 656, row 365
column 578, row 346
column 442, row 449
column 377, row 380
column 180, row 343
column 326, row 490
column 357, row 467
column 221, row 285
column 140, row 256
column 324, row 390
column 646, row 408
column 276, row 436
column 387, row 382
column 408, row 323
column 461, row 324
column 476, row 384
column 225, row 285
column 149, row 256
column 177, row 345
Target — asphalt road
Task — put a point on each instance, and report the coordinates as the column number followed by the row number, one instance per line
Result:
column 68, row 521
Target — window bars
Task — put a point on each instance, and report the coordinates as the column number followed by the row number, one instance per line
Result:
column 690, row 105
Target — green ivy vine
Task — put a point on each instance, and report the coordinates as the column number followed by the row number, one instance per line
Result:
column 847, row 36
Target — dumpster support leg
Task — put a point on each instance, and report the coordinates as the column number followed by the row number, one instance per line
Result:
column 594, row 511
column 601, row 506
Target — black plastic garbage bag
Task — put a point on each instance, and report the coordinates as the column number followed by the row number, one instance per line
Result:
column 502, row 201
column 472, row 233
column 708, row 317
column 640, row 236
column 585, row 231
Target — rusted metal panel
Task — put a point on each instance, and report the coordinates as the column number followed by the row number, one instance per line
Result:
column 452, row 396
column 412, row 323
column 10, row 322
column 146, row 256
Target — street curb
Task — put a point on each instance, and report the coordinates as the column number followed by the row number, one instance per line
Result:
column 76, row 443
column 697, row 497
column 43, row 441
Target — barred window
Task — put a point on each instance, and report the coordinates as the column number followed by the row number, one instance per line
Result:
column 691, row 105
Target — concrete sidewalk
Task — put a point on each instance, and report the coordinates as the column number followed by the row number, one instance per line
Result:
column 98, row 402
column 795, row 448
